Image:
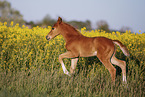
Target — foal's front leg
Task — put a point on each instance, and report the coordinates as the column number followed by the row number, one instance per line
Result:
column 68, row 54
column 73, row 65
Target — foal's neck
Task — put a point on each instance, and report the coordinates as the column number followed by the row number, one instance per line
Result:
column 69, row 33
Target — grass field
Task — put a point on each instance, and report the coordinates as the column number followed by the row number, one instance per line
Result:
column 29, row 66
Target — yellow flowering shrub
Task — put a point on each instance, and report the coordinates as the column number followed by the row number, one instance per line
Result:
column 27, row 49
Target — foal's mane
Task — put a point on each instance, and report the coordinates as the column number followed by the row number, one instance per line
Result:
column 70, row 29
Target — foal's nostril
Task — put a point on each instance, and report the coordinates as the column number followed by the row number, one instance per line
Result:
column 46, row 37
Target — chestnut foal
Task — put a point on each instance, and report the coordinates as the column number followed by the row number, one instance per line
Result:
column 78, row 45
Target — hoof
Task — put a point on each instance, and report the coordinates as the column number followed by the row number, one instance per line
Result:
column 67, row 73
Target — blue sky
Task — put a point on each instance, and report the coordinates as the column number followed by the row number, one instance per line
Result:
column 117, row 13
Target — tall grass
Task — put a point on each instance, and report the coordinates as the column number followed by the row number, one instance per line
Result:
column 29, row 66
column 48, row 83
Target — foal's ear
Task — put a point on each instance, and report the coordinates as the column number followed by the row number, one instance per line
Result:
column 59, row 20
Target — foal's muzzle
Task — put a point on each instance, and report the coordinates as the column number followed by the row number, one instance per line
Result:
column 48, row 38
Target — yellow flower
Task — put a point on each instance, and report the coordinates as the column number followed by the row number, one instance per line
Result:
column 12, row 23
column 113, row 33
column 30, row 44
column 5, row 23
column 23, row 26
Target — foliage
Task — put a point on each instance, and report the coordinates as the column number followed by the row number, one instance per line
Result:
column 103, row 25
column 80, row 24
column 8, row 14
column 47, row 20
column 29, row 65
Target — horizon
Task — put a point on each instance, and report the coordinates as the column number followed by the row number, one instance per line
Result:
column 116, row 13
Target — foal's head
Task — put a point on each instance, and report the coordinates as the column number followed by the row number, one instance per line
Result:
column 55, row 30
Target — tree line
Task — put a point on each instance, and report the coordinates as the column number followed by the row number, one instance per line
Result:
column 8, row 14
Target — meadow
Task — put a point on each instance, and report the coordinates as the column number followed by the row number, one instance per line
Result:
column 29, row 66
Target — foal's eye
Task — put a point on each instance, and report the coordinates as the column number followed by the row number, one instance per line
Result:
column 52, row 28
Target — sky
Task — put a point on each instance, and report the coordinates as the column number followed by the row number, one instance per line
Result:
column 117, row 13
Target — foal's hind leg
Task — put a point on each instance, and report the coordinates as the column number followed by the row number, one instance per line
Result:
column 121, row 64
column 110, row 67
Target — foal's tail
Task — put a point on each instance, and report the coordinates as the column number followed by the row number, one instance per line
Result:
column 122, row 47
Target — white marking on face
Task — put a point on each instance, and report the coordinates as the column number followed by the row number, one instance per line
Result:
column 95, row 53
